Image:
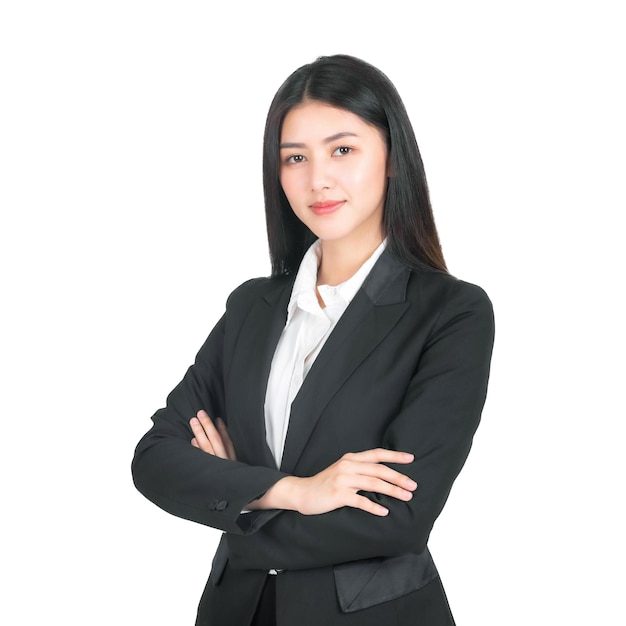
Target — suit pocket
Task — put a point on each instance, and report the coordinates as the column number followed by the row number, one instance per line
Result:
column 219, row 562
column 362, row 584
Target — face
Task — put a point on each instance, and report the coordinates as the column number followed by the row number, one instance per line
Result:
column 334, row 173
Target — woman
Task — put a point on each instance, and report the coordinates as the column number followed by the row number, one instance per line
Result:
column 335, row 402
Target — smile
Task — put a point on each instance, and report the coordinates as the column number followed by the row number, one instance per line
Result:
column 329, row 206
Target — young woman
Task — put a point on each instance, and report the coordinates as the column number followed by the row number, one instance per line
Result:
column 331, row 408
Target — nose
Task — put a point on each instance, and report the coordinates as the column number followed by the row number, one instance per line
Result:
column 320, row 173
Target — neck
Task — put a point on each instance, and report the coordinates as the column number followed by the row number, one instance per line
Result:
column 340, row 261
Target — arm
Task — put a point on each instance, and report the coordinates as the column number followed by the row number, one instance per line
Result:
column 179, row 477
column 437, row 420
column 336, row 486
column 171, row 468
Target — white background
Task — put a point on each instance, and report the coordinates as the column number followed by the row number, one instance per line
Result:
column 130, row 190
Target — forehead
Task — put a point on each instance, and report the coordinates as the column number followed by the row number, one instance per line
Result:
column 317, row 120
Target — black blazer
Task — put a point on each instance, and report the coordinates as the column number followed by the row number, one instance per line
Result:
column 405, row 368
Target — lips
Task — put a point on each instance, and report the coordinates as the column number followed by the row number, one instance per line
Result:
column 326, row 207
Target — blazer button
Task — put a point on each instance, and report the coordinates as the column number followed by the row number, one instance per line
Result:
column 221, row 505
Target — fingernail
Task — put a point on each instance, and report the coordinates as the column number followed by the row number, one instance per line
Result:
column 194, row 421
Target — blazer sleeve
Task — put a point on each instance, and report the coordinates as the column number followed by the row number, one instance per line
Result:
column 180, row 478
column 437, row 421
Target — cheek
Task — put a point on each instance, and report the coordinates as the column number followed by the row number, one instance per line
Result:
column 379, row 176
column 290, row 185
column 370, row 179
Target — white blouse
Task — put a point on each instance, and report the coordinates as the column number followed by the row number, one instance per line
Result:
column 306, row 330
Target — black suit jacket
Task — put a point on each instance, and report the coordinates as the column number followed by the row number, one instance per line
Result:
column 405, row 368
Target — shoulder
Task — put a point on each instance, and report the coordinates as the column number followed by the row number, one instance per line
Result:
column 445, row 289
column 450, row 302
column 391, row 281
column 251, row 290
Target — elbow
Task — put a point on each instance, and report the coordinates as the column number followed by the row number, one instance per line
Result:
column 144, row 472
column 137, row 470
column 412, row 533
column 409, row 527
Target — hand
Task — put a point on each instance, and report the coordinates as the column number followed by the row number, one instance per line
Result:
column 212, row 438
column 339, row 485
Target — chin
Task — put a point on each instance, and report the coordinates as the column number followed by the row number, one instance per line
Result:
column 327, row 235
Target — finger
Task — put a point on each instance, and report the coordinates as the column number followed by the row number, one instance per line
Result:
column 200, row 436
column 375, row 485
column 367, row 505
column 380, row 455
column 349, row 467
column 387, row 474
column 212, row 434
column 228, row 444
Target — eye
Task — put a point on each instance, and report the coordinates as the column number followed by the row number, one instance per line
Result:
column 294, row 158
column 342, row 150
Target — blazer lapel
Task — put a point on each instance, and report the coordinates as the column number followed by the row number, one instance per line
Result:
column 373, row 312
column 250, row 371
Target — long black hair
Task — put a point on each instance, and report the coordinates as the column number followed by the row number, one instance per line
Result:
column 349, row 83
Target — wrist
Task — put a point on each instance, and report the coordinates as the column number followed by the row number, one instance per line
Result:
column 281, row 495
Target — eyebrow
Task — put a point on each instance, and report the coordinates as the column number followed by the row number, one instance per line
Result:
column 330, row 139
